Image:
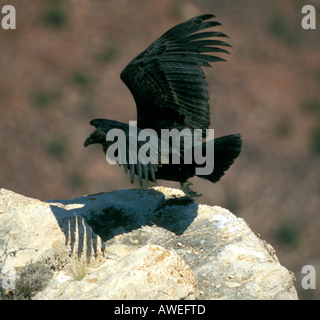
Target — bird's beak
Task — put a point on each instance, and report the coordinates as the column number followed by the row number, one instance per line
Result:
column 87, row 142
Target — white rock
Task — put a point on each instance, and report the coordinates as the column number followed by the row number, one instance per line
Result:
column 157, row 245
column 31, row 230
column 150, row 272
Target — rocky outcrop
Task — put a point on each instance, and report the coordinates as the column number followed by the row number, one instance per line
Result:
column 133, row 244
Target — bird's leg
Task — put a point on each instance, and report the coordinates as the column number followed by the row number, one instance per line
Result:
column 186, row 189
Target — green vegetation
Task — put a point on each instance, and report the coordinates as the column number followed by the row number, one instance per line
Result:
column 43, row 98
column 78, row 269
column 76, row 179
column 232, row 202
column 30, row 280
column 283, row 30
column 57, row 146
column 288, row 233
column 284, row 128
column 55, row 15
column 315, row 140
column 81, row 79
column 311, row 103
column 108, row 54
column 177, row 8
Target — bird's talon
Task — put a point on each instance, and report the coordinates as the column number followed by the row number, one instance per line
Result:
column 187, row 190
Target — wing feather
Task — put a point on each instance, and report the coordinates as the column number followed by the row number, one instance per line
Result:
column 167, row 80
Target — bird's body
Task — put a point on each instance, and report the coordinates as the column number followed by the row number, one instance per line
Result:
column 170, row 91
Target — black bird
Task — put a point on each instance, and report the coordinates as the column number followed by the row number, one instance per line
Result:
column 170, row 91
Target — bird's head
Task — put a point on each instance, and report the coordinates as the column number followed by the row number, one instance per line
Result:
column 97, row 136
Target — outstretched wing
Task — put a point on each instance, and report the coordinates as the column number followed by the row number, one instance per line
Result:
column 166, row 80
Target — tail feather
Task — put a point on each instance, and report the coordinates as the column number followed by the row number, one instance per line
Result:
column 226, row 150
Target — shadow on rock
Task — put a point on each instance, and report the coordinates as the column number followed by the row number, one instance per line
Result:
column 121, row 211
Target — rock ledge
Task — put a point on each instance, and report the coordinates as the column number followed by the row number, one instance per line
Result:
column 148, row 243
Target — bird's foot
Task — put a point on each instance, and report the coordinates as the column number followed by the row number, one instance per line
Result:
column 187, row 190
